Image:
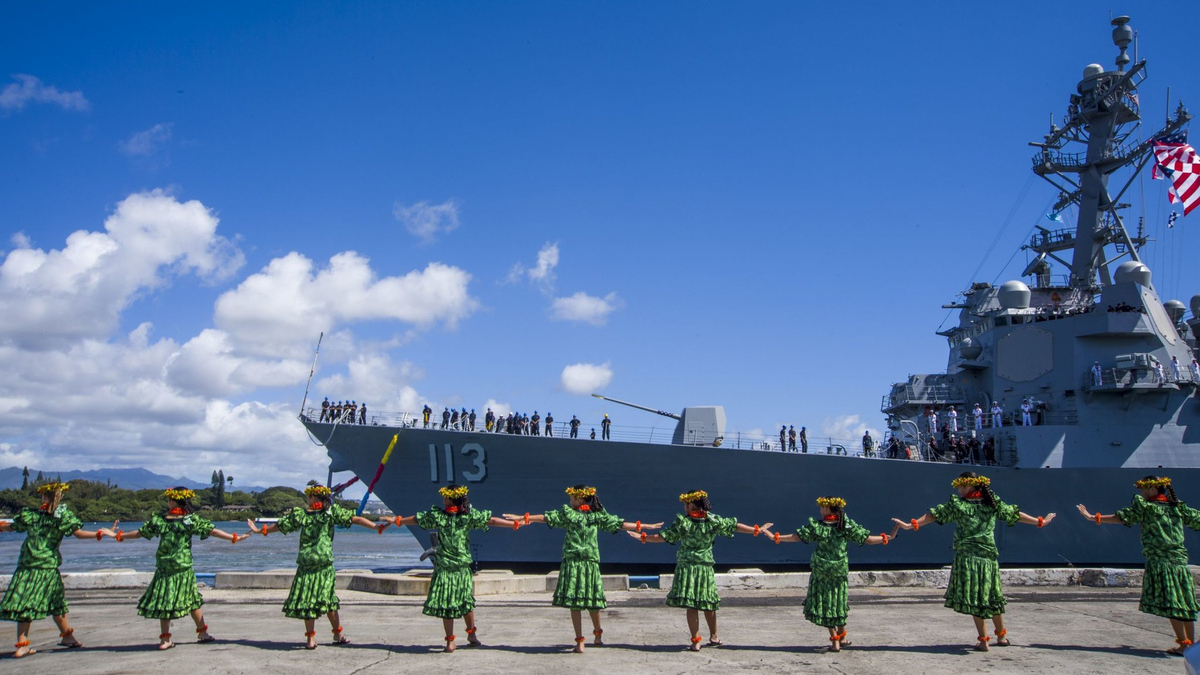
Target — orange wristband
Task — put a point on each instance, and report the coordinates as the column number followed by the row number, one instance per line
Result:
column 643, row 537
column 756, row 529
column 516, row 524
column 120, row 535
column 235, row 538
column 264, row 530
column 396, row 522
column 885, row 538
column 1041, row 521
column 776, row 537
column 915, row 524
column 526, row 517
column 99, row 535
column 1098, row 517
column 639, row 526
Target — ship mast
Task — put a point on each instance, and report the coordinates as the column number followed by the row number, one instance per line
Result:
column 1102, row 116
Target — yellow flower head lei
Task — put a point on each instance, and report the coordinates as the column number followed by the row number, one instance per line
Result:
column 831, row 502
column 971, row 481
column 317, row 491
column 53, row 487
column 689, row 497
column 178, row 495
column 1152, row 483
column 453, row 493
column 582, row 493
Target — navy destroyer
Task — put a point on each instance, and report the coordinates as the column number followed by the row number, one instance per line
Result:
column 1083, row 379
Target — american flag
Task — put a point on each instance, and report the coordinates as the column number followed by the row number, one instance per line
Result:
column 1176, row 160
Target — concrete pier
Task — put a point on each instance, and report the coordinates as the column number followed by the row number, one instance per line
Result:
column 895, row 629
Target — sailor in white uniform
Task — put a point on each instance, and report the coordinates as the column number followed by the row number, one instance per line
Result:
column 1158, row 371
column 1195, row 371
column 1098, row 374
column 1175, row 369
column 952, row 416
column 932, row 417
column 978, row 413
column 1026, row 417
column 997, row 415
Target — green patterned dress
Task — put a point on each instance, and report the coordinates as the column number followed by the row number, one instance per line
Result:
column 694, row 585
column 1167, row 587
column 452, row 589
column 36, row 588
column 172, row 592
column 314, row 591
column 579, row 584
column 975, row 575
column 826, row 604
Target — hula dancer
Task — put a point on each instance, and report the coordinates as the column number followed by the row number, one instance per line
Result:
column 695, row 587
column 826, row 603
column 452, row 589
column 975, row 575
column 580, row 587
column 1167, row 587
column 36, row 588
column 313, row 588
column 172, row 592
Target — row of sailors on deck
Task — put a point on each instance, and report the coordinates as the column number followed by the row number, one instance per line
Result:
column 347, row 412
column 512, row 423
column 1159, row 371
column 996, row 418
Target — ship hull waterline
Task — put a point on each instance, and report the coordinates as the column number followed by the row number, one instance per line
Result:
column 515, row 474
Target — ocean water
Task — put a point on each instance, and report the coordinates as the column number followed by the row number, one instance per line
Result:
column 356, row 548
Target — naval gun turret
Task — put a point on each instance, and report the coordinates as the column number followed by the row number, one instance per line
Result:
column 696, row 425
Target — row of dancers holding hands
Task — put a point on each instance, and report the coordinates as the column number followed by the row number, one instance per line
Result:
column 36, row 589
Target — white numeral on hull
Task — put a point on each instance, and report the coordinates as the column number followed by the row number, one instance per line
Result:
column 473, row 451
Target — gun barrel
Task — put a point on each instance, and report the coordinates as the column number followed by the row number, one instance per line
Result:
column 639, row 407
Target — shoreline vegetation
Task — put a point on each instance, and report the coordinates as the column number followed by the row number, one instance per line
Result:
column 100, row 502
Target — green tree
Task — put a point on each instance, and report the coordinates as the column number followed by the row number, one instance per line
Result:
column 25, row 479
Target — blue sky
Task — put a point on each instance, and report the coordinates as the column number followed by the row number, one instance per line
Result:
column 758, row 205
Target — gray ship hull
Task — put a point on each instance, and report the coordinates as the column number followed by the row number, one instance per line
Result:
column 640, row 481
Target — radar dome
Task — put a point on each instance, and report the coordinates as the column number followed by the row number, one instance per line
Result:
column 1175, row 309
column 1014, row 295
column 1132, row 271
column 1092, row 70
column 970, row 349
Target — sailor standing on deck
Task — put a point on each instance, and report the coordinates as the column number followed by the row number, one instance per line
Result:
column 549, row 424
column 574, row 426
column 425, row 415
column 1026, row 409
column 952, row 415
column 445, row 418
column 604, row 425
column 931, row 416
column 803, row 439
column 324, row 409
column 1175, row 368
column 1097, row 373
column 783, row 438
column 997, row 415
column 1158, row 370
column 1195, row 371
column 792, row 438
column 978, row 413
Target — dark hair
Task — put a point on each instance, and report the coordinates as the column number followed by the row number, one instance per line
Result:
column 325, row 502
column 1169, row 491
column 840, row 512
column 186, row 504
column 593, row 502
column 989, row 497
column 703, row 502
column 463, row 503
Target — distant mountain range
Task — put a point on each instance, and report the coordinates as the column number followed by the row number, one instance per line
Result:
column 132, row 479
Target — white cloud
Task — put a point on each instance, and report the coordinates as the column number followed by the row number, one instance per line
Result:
column 542, row 273
column 497, row 407
column 373, row 378
column 847, row 428
column 586, row 378
column 585, row 308
column 63, row 295
column 148, row 142
column 281, row 309
column 426, row 221
column 29, row 89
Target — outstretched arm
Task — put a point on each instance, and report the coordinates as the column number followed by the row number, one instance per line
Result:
column 265, row 529
column 917, row 523
column 1035, row 520
column 648, row 538
column 638, row 526
column 219, row 534
column 527, row 519
column 504, row 522
column 363, row 522
column 876, row 539
column 753, row 529
column 1114, row 519
column 93, row 534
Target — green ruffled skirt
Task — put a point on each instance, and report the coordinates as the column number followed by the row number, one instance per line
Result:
column 580, row 586
column 313, row 594
column 170, row 595
column 33, row 594
column 694, row 587
column 451, row 594
column 826, row 604
column 975, row 587
column 1168, row 590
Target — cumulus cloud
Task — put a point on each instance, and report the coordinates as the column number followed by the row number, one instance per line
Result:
column 586, row 378
column 78, row 291
column 542, row 273
column 426, row 221
column 585, row 308
column 282, row 308
column 148, row 142
column 29, row 89
column 847, row 428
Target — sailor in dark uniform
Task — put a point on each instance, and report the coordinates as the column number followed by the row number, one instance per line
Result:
column 604, row 425
column 454, row 419
column 362, row 414
column 425, row 415
column 575, row 426
column 489, row 420
column 783, row 438
column 471, row 419
column 445, row 418
column 792, row 438
column 324, row 409
column 535, row 424
column 549, row 424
